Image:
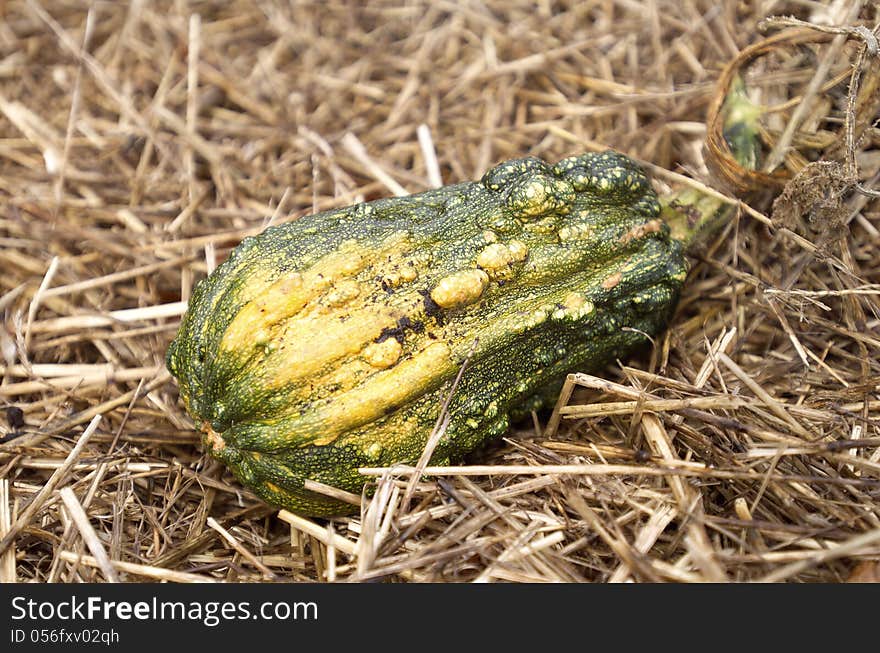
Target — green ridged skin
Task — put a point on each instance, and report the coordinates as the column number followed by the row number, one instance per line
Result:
column 330, row 343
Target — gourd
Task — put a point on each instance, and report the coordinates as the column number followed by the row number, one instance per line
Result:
column 331, row 342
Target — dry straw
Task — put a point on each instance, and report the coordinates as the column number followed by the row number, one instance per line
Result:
column 139, row 143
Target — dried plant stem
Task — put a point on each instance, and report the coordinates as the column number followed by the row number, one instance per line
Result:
column 235, row 544
column 653, row 405
column 852, row 546
column 116, row 277
column 689, row 502
column 81, row 520
column 564, row 395
column 97, row 71
column 336, row 493
column 426, row 143
column 439, row 429
column 359, row 152
column 680, row 468
column 192, row 97
column 57, row 477
column 38, row 296
column 57, row 563
column 659, row 520
column 830, row 56
column 318, row 532
column 74, row 109
column 83, row 381
column 771, row 403
column 76, row 322
column 154, row 573
column 7, row 559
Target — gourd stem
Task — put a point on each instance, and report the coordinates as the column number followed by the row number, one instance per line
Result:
column 693, row 215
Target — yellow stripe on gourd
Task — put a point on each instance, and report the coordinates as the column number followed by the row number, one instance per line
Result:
column 306, row 345
column 382, row 393
column 256, row 321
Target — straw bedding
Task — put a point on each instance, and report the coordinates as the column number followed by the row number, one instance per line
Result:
column 139, row 142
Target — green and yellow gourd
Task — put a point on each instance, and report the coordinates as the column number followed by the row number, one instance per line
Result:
column 331, row 342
